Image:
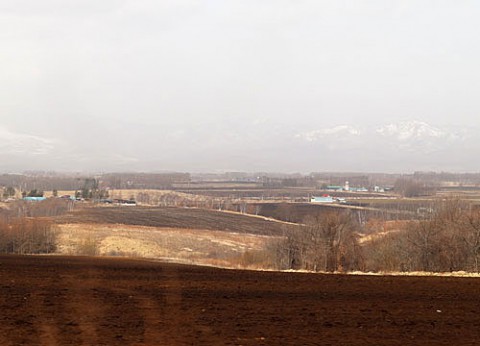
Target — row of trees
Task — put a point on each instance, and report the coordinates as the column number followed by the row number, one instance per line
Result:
column 414, row 188
column 10, row 191
column 89, row 189
column 447, row 241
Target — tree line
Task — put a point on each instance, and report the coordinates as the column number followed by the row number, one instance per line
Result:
column 449, row 240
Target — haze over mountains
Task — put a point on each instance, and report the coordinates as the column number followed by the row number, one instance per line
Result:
column 393, row 147
column 274, row 85
column 412, row 136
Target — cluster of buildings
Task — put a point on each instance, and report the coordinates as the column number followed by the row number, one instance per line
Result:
column 116, row 201
column 345, row 188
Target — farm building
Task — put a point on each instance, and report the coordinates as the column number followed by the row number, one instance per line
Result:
column 334, row 188
column 34, row 199
column 322, row 199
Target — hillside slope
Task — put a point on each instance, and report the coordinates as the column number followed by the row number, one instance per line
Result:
column 47, row 300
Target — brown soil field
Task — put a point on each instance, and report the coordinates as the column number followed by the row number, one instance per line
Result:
column 175, row 218
column 298, row 212
column 48, row 300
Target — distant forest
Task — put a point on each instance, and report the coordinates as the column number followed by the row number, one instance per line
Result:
column 45, row 181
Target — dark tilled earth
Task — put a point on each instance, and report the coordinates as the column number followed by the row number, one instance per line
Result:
column 48, row 300
column 174, row 217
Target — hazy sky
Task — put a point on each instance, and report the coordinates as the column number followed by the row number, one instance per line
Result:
column 261, row 85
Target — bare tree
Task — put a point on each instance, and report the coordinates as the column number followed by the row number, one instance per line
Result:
column 471, row 238
column 328, row 242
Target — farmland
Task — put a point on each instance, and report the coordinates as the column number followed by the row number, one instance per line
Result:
column 198, row 246
column 383, row 232
column 186, row 235
column 175, row 217
column 91, row 301
column 121, row 294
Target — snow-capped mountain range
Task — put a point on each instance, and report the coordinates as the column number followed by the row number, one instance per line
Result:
column 414, row 130
column 408, row 145
column 409, row 135
column 402, row 146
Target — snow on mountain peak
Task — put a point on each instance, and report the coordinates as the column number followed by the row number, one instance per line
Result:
column 412, row 130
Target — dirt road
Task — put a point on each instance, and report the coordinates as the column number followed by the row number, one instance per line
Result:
column 91, row 301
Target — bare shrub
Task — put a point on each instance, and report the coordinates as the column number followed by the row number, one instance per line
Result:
column 256, row 259
column 27, row 236
column 88, row 247
column 119, row 253
column 386, row 253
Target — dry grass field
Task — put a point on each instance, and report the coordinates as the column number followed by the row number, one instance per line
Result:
column 184, row 235
column 196, row 246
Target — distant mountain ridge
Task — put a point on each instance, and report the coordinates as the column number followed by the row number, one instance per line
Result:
column 407, row 135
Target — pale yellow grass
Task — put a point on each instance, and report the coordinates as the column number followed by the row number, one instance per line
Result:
column 416, row 273
column 419, row 273
column 365, row 238
column 181, row 245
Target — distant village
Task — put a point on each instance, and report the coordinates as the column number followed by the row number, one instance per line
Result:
column 305, row 188
column 115, row 201
column 326, row 198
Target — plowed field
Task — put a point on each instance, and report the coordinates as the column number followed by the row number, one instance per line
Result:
column 91, row 301
column 175, row 218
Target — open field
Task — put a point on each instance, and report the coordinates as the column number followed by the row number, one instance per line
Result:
column 274, row 193
column 171, row 217
column 194, row 246
column 184, row 235
column 51, row 300
column 298, row 212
